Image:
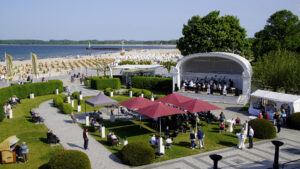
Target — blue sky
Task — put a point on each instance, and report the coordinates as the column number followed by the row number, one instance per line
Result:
column 125, row 19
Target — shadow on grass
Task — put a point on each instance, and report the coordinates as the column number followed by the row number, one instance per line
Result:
column 227, row 143
column 130, row 131
column 183, row 144
column 44, row 140
column 44, row 166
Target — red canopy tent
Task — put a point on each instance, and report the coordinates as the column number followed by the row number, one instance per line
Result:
column 159, row 110
column 174, row 99
column 197, row 105
column 136, row 103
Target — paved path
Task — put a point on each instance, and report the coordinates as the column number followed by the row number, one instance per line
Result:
column 70, row 135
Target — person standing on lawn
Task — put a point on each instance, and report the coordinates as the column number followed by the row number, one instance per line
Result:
column 193, row 139
column 85, row 138
column 251, row 134
column 200, row 136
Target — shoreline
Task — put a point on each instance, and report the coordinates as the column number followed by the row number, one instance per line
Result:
column 169, row 45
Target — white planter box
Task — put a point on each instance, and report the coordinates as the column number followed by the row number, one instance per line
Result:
column 102, row 129
column 31, row 96
column 130, row 93
column 79, row 108
column 56, row 92
column 111, row 94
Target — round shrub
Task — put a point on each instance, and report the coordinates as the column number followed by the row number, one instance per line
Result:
column 147, row 93
column 107, row 91
column 137, row 153
column 263, row 128
column 293, row 121
column 67, row 108
column 70, row 159
column 75, row 95
column 57, row 101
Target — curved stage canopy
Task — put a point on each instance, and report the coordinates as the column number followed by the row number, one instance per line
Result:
column 216, row 65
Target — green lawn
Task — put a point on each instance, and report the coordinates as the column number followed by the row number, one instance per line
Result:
column 33, row 134
column 181, row 144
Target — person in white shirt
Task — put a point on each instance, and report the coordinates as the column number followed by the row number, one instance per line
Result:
column 251, row 134
column 168, row 142
column 153, row 140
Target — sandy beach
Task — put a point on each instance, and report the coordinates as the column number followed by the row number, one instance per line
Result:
column 65, row 65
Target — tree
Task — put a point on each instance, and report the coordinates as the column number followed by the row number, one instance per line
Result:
column 282, row 31
column 213, row 33
column 168, row 65
column 278, row 70
column 103, row 64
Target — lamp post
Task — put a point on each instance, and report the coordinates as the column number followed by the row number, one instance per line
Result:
column 277, row 144
column 215, row 158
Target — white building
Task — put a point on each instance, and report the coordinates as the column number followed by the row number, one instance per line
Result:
column 216, row 65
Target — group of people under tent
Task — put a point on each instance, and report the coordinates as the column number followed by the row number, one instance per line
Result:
column 10, row 103
column 279, row 118
column 210, row 86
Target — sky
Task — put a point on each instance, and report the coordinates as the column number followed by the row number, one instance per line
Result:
column 125, row 19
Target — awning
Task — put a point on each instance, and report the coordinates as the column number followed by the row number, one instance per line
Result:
column 137, row 103
column 101, row 100
column 159, row 110
column 197, row 105
column 174, row 99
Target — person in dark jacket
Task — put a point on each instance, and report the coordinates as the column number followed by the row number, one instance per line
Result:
column 193, row 139
column 200, row 136
column 85, row 138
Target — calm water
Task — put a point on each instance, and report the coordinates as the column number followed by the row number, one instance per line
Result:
column 22, row 52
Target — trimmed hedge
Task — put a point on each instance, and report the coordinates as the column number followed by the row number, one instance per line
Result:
column 263, row 128
column 67, row 108
column 293, row 121
column 23, row 91
column 113, row 83
column 137, row 153
column 57, row 101
column 75, row 95
column 153, row 83
column 70, row 159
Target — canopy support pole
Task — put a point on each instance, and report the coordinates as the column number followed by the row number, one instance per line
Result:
column 140, row 121
column 160, row 126
column 85, row 107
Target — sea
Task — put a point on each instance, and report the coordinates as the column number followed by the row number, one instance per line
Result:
column 22, row 52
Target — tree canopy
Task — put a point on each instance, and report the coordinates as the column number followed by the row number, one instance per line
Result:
column 282, row 31
column 213, row 33
column 278, row 70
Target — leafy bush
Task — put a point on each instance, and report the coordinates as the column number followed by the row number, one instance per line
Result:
column 23, row 91
column 70, row 159
column 147, row 93
column 107, row 91
column 2, row 116
column 127, row 62
column 67, row 108
column 263, row 128
column 158, row 96
column 113, row 83
column 153, row 83
column 293, row 121
column 57, row 101
column 137, row 153
column 75, row 95
column 144, row 62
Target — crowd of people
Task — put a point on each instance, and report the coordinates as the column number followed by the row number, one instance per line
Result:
column 210, row 86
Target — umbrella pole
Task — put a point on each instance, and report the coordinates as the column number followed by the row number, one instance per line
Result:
column 160, row 126
column 85, row 107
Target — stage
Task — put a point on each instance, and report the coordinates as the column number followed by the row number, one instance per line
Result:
column 231, row 99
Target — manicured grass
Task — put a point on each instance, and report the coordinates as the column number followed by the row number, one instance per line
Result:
column 181, row 144
column 90, row 108
column 33, row 134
